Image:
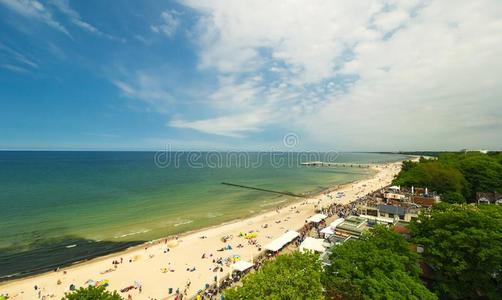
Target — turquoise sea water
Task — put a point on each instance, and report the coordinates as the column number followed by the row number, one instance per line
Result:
column 61, row 207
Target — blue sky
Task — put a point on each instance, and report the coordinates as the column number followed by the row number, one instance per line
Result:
column 339, row 75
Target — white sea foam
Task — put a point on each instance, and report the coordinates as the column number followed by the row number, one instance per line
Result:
column 183, row 222
column 271, row 203
column 211, row 215
column 132, row 233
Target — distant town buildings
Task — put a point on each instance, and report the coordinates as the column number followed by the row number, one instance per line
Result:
column 472, row 150
column 391, row 206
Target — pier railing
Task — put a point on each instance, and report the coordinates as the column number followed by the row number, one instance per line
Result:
column 331, row 164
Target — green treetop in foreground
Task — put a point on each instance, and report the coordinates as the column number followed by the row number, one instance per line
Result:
column 379, row 265
column 463, row 244
column 92, row 293
column 289, row 276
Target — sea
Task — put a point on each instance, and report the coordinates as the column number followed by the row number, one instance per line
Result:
column 57, row 208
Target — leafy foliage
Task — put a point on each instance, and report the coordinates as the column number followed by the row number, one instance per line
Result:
column 92, row 293
column 464, row 246
column 465, row 173
column 453, row 197
column 483, row 173
column 290, row 276
column 379, row 265
column 434, row 175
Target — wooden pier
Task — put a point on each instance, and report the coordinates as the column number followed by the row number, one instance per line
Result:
column 330, row 164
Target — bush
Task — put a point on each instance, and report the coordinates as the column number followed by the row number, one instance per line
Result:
column 92, row 293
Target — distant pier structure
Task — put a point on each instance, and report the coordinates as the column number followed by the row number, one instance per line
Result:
column 331, row 164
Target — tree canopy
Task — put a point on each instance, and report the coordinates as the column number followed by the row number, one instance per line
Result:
column 289, row 276
column 463, row 244
column 379, row 265
column 464, row 173
column 92, row 293
column 452, row 197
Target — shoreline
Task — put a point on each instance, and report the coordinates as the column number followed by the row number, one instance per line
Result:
column 17, row 286
column 125, row 249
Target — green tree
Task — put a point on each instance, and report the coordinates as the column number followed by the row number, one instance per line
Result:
column 92, row 293
column 379, row 265
column 463, row 244
column 435, row 175
column 460, row 172
column 453, row 197
column 483, row 173
column 289, row 276
column 408, row 165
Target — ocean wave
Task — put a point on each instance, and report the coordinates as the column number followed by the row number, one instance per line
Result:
column 183, row 222
column 10, row 275
column 131, row 233
column 211, row 215
column 272, row 203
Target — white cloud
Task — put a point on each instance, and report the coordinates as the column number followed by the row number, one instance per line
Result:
column 14, row 68
column 432, row 84
column 169, row 25
column 148, row 89
column 18, row 58
column 387, row 21
column 356, row 74
column 232, row 126
column 64, row 7
column 36, row 10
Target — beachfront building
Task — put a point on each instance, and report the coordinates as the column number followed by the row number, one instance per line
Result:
column 422, row 197
column 389, row 214
column 352, row 226
column 424, row 201
column 488, row 198
column 330, row 229
column 391, row 211
column 394, row 196
column 401, row 213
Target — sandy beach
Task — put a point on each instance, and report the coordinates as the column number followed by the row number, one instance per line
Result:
column 172, row 262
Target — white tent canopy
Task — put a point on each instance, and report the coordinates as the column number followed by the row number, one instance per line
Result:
column 241, row 265
column 328, row 231
column 282, row 241
column 312, row 244
column 316, row 218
